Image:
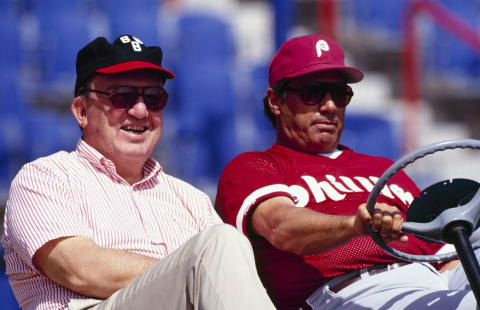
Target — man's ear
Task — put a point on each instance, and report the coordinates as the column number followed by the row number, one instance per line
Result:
column 79, row 110
column 274, row 100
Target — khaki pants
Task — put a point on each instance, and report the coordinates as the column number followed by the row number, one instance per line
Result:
column 213, row 270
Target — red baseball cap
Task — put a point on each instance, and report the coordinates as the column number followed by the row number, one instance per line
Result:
column 127, row 53
column 310, row 54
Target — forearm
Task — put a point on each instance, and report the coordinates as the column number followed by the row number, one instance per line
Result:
column 112, row 270
column 80, row 265
column 305, row 232
column 313, row 232
column 300, row 230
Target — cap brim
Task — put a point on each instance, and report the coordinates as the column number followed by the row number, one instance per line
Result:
column 134, row 65
column 352, row 75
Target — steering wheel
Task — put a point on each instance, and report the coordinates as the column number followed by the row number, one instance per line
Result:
column 468, row 214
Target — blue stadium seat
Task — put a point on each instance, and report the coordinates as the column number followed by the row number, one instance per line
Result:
column 139, row 19
column 204, row 97
column 205, row 116
column 63, row 30
column 12, row 99
column 12, row 148
column 251, row 103
column 259, row 84
column 444, row 55
column 7, row 299
column 12, row 108
column 388, row 16
column 47, row 132
column 448, row 56
column 284, row 12
column 4, row 166
column 10, row 55
column 371, row 134
column 204, row 38
column 379, row 16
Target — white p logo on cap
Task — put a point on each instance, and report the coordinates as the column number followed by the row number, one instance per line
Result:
column 321, row 45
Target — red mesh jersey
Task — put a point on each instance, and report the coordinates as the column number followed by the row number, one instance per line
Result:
column 333, row 186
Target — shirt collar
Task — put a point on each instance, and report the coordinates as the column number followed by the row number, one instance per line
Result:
column 150, row 169
column 332, row 155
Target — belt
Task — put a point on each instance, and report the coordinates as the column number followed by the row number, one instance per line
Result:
column 356, row 275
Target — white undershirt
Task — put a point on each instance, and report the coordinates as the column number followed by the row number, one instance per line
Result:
column 332, row 155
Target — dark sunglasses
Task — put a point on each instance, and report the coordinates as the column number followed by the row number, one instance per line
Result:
column 314, row 93
column 125, row 97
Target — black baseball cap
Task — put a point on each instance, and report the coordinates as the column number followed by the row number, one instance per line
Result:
column 127, row 53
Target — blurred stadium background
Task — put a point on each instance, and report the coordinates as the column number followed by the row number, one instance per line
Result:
column 421, row 61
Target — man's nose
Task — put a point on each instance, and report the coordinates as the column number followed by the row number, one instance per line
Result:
column 328, row 104
column 139, row 110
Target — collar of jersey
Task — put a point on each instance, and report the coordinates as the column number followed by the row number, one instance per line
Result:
column 332, row 155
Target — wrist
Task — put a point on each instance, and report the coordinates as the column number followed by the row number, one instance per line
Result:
column 356, row 226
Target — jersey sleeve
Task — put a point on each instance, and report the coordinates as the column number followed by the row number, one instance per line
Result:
column 246, row 181
column 40, row 208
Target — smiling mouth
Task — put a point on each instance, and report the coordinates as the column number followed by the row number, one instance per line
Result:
column 135, row 129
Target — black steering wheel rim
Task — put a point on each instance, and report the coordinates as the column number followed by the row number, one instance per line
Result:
column 391, row 171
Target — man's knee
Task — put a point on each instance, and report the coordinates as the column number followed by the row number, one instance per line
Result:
column 225, row 233
column 224, row 236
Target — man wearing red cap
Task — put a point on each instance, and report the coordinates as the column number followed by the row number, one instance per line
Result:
column 302, row 202
column 104, row 227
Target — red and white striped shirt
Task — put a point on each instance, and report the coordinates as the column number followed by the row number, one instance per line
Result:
column 80, row 194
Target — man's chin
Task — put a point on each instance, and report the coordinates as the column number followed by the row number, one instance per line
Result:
column 323, row 147
column 134, row 151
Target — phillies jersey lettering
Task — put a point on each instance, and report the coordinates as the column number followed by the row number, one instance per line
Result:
column 334, row 190
column 332, row 186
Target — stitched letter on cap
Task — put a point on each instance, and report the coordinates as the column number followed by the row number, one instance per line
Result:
column 135, row 43
column 322, row 45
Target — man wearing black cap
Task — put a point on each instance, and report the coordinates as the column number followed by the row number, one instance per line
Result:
column 104, row 227
column 302, row 202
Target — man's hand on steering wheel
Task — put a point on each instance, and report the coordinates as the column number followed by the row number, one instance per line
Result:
column 386, row 219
